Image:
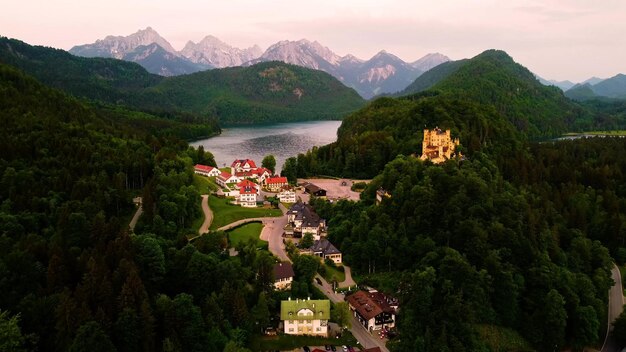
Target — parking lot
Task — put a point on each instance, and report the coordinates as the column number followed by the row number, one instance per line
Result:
column 335, row 189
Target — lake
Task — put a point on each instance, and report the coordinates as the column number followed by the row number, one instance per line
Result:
column 283, row 140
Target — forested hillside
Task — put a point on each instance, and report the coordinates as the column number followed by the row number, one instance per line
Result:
column 72, row 276
column 518, row 242
column 267, row 92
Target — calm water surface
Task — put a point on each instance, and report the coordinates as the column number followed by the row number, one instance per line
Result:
column 282, row 140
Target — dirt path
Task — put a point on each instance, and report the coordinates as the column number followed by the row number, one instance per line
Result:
column 208, row 215
column 133, row 221
column 348, row 281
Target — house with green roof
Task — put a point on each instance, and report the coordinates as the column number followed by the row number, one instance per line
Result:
column 305, row 317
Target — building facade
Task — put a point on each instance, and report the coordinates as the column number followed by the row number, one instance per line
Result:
column 283, row 275
column 374, row 310
column 305, row 317
column 206, row 170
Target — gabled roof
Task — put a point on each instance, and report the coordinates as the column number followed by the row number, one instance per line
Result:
column 246, row 183
column 320, row 308
column 276, row 179
column 225, row 175
column 369, row 305
column 324, row 246
column 204, row 167
column 247, row 190
column 283, row 270
column 241, row 162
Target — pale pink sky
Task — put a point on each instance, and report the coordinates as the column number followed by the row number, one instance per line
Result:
column 557, row 39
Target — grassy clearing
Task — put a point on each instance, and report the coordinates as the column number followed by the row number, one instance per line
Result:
column 332, row 273
column 499, row 338
column 204, row 184
column 225, row 213
column 244, row 233
column 290, row 342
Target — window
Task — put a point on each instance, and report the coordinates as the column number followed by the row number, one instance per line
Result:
column 290, row 329
column 319, row 329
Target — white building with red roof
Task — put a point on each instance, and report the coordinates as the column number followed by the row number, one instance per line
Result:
column 206, row 170
column 224, row 178
column 247, row 196
column 259, row 174
column 275, row 183
column 241, row 165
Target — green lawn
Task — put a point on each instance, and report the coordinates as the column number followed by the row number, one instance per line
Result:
column 244, row 233
column 290, row 342
column 224, row 213
column 204, row 184
column 332, row 274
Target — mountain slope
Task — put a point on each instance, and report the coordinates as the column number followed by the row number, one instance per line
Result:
column 563, row 85
column 265, row 92
column 431, row 77
column 493, row 78
column 118, row 46
column 103, row 79
column 157, row 60
column 268, row 92
column 429, row 61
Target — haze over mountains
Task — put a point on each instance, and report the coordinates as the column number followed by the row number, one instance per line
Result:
column 383, row 73
column 612, row 88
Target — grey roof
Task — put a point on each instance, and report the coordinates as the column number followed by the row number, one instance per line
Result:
column 325, row 247
column 306, row 214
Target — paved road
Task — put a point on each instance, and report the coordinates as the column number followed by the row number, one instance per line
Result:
column 273, row 233
column 348, row 281
column 360, row 333
column 208, row 215
column 133, row 221
column 616, row 305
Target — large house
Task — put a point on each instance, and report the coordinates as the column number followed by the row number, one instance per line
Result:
column 275, row 183
column 247, row 196
column 438, row 146
column 206, row 170
column 224, row 178
column 287, row 195
column 373, row 309
column 301, row 219
column 305, row 317
column 241, row 165
column 259, row 174
column 283, row 275
column 324, row 249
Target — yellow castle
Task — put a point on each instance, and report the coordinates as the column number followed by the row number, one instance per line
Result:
column 438, row 146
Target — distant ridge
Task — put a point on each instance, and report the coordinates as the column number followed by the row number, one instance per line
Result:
column 383, row 73
column 610, row 88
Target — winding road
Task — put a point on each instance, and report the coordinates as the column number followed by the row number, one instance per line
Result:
column 616, row 305
column 133, row 221
column 208, row 215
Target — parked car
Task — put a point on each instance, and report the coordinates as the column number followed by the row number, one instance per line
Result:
column 333, row 348
column 306, row 349
column 327, row 347
column 319, row 282
column 345, row 348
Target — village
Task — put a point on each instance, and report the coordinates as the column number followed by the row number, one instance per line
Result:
column 301, row 231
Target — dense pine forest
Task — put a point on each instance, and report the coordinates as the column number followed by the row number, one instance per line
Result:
column 72, row 276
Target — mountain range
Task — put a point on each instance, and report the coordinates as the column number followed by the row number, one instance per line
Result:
column 383, row 73
column 264, row 92
column 613, row 88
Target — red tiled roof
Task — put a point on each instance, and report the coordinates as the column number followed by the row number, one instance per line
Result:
column 246, row 183
column 247, row 190
column 241, row 162
column 276, row 179
column 225, row 175
column 204, row 167
column 369, row 305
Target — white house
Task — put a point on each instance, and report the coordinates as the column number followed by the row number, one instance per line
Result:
column 305, row 317
column 224, row 178
column 240, row 165
column 287, row 196
column 373, row 309
column 206, row 170
column 247, row 196
column 283, row 275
